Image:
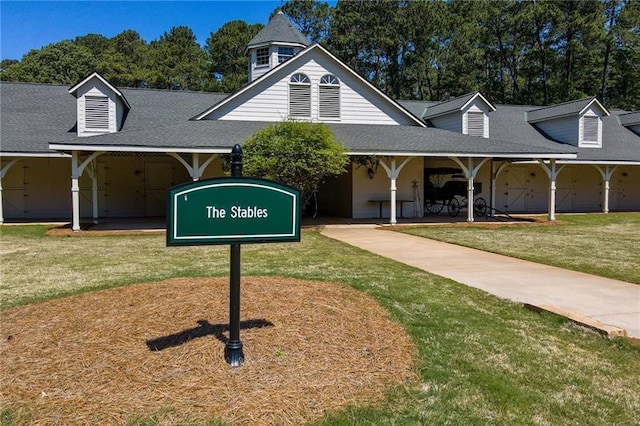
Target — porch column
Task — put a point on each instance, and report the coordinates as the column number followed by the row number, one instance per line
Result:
column 393, row 172
column 3, row 173
column 75, row 192
column 76, row 172
column 606, row 175
column 552, row 173
column 470, row 173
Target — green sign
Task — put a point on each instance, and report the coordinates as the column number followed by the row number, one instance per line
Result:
column 232, row 211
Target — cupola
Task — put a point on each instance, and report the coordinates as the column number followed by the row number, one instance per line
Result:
column 276, row 42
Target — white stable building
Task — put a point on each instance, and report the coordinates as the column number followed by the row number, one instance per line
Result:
column 95, row 150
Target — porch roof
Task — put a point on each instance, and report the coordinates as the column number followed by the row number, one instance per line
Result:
column 358, row 139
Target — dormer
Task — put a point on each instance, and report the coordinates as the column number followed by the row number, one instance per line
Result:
column 467, row 114
column 631, row 121
column 276, row 42
column 578, row 123
column 101, row 107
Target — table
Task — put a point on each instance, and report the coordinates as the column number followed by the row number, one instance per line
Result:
column 380, row 201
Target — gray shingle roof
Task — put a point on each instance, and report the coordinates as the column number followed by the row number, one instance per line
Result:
column 279, row 29
column 220, row 136
column 559, row 110
column 629, row 118
column 453, row 105
column 34, row 115
column 448, row 106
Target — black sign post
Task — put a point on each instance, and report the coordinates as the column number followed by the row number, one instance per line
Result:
column 233, row 349
column 233, row 210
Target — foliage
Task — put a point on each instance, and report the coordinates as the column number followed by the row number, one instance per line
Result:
column 227, row 54
column 299, row 154
column 516, row 52
column 310, row 16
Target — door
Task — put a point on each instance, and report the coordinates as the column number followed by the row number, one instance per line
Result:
column 516, row 189
column 158, row 178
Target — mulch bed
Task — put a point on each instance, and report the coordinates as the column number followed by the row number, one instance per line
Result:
column 155, row 350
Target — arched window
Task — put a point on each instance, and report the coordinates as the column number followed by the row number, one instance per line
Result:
column 329, row 97
column 299, row 96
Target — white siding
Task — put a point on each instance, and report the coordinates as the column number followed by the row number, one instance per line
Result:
column 564, row 129
column 269, row 100
column 452, row 122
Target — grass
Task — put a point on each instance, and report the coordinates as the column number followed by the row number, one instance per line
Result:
column 599, row 244
column 481, row 360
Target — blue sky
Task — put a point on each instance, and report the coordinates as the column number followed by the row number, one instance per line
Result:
column 26, row 25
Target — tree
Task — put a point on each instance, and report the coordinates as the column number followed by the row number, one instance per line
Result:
column 126, row 61
column 310, row 16
column 59, row 63
column 178, row 61
column 227, row 54
column 299, row 154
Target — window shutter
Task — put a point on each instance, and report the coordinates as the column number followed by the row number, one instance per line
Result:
column 299, row 100
column 96, row 112
column 590, row 129
column 475, row 123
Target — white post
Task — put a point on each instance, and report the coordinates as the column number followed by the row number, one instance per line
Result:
column 195, row 175
column 552, row 190
column 394, row 177
column 492, row 198
column 76, row 172
column 470, row 191
column 75, row 191
column 393, row 174
column 606, row 175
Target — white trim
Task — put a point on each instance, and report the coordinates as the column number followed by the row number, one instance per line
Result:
column 35, row 154
column 290, row 63
column 489, row 104
column 124, row 148
column 103, row 80
column 461, row 154
column 583, row 110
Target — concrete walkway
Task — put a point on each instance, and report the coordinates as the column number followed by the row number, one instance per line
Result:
column 611, row 302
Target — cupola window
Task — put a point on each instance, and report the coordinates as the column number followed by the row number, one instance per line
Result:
column 300, row 96
column 262, row 56
column 329, row 97
column 284, row 53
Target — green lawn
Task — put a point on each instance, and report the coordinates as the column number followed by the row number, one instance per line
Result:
column 481, row 360
column 606, row 245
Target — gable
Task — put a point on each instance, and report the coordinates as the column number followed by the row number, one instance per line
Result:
column 267, row 99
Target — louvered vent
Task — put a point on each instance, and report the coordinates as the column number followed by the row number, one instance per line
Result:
column 475, row 123
column 96, row 112
column 330, row 101
column 590, row 130
column 299, row 96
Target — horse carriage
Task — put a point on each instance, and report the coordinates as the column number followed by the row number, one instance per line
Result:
column 447, row 187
